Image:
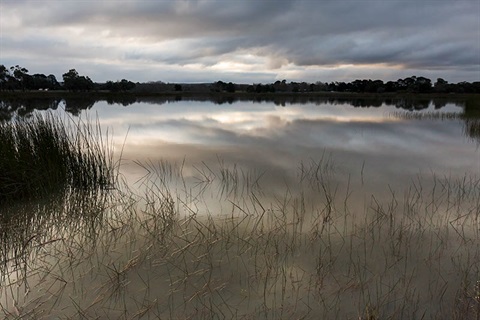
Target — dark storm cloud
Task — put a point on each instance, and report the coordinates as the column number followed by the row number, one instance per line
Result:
column 417, row 35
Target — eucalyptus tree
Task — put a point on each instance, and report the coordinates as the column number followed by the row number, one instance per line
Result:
column 21, row 77
column 75, row 82
column 4, row 74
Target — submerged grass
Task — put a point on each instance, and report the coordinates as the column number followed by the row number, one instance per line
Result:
column 471, row 127
column 188, row 247
column 45, row 154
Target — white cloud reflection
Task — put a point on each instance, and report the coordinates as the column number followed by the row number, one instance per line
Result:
column 295, row 132
column 263, row 137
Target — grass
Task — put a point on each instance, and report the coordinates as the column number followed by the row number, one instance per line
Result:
column 471, row 124
column 212, row 241
column 472, row 129
column 45, row 153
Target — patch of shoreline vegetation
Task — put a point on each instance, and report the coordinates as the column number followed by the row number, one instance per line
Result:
column 18, row 78
column 77, row 101
column 45, row 153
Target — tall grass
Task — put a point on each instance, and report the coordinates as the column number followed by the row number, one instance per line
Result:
column 471, row 127
column 46, row 153
column 184, row 248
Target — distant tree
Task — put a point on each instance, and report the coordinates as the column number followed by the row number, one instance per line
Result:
column 375, row 86
column 4, row 76
column 74, row 82
column 414, row 84
column 20, row 78
column 422, row 85
column 41, row 81
column 409, row 83
column 126, row 85
column 358, row 85
column 320, row 86
column 280, row 86
column 178, row 87
column 19, row 72
column 70, row 79
column 441, row 86
column 219, row 86
column 230, row 87
column 404, row 84
column 260, row 88
column 303, row 86
column 341, row 86
column 476, row 86
column 122, row 85
column 390, row 86
column 108, row 86
column 467, row 87
column 54, row 85
column 3, row 71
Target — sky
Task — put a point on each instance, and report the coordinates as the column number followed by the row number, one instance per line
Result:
column 248, row 41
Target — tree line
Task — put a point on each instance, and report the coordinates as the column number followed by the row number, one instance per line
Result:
column 411, row 84
column 17, row 78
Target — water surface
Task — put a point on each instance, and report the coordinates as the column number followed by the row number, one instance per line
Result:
column 260, row 209
column 387, row 144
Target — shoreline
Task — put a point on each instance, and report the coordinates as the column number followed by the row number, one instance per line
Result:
column 241, row 95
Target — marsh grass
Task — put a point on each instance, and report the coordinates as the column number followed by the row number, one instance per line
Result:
column 471, row 128
column 45, row 154
column 183, row 249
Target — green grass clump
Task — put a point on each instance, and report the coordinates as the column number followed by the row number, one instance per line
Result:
column 45, row 154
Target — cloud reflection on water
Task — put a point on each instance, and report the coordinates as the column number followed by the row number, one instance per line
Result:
column 375, row 160
column 268, row 137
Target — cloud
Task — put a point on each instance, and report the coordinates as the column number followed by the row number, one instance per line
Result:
column 282, row 35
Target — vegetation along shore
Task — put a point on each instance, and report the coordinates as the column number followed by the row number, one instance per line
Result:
column 17, row 78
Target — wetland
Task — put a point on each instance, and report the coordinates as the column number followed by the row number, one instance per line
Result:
column 293, row 207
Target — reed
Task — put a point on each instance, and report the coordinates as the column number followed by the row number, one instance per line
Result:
column 308, row 250
column 471, row 126
column 45, row 153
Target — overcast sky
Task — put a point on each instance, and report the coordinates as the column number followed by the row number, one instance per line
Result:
column 248, row 41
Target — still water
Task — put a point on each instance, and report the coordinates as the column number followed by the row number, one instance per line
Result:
column 388, row 140
column 263, row 209
column 387, row 144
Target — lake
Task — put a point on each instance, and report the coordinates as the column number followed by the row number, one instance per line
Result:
column 334, row 208
column 387, row 144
